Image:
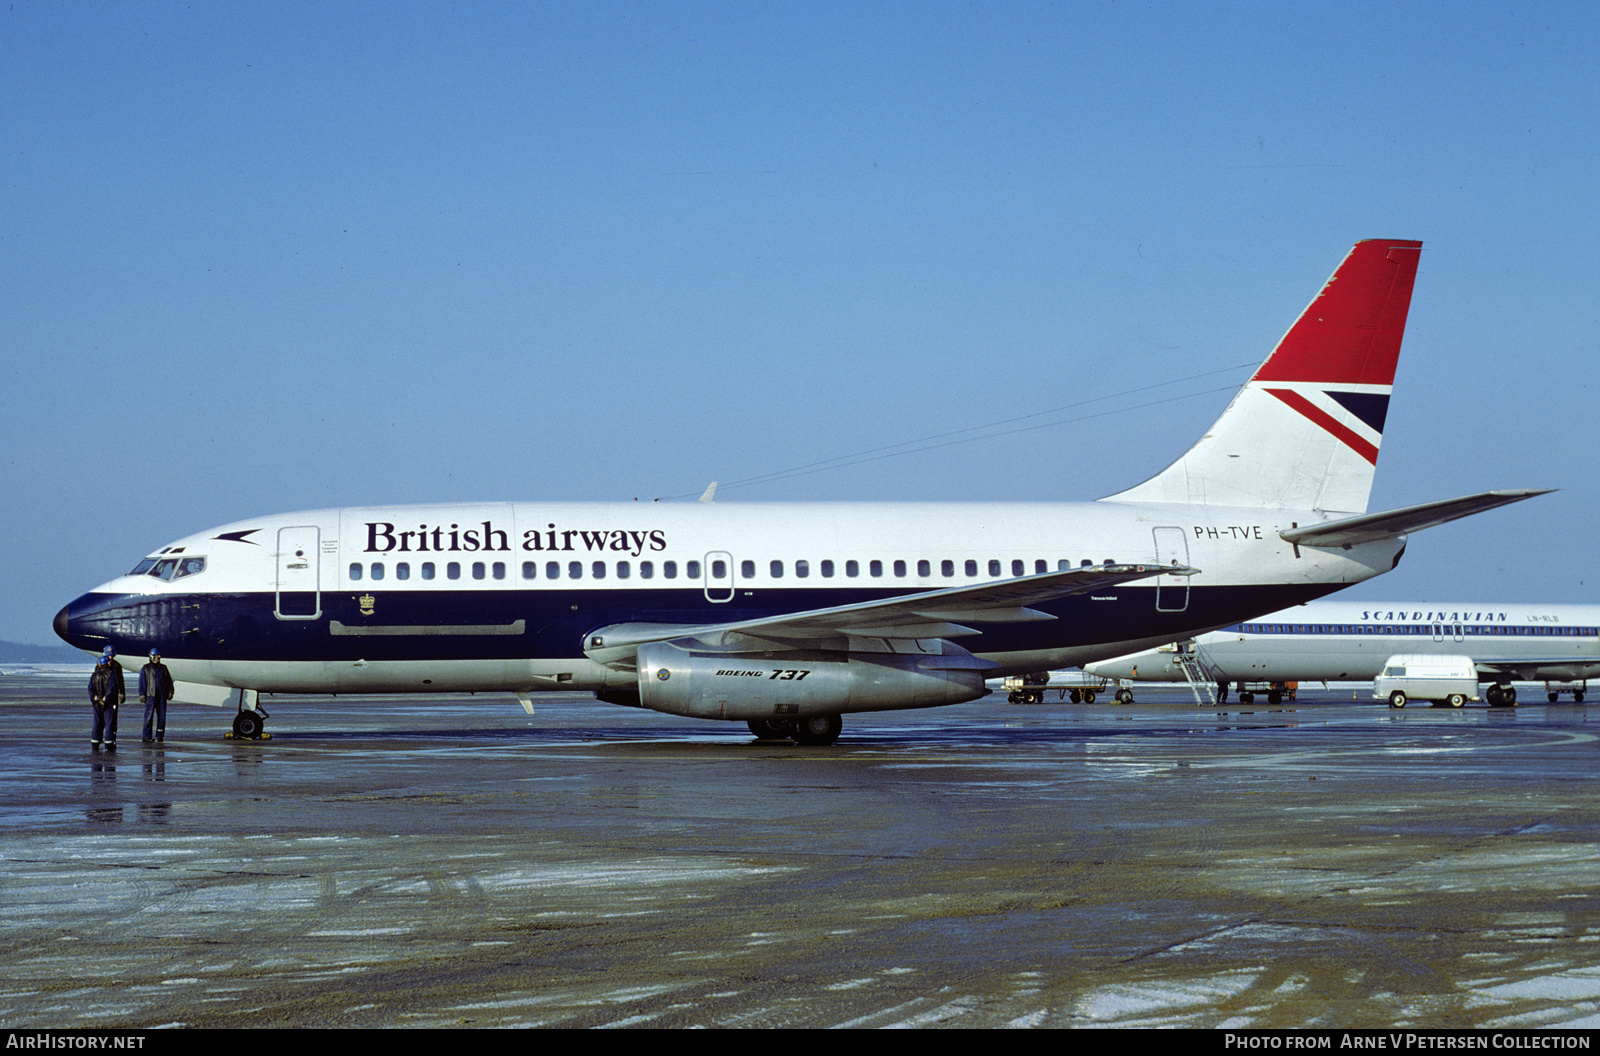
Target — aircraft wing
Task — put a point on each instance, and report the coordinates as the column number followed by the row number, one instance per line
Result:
column 1540, row 669
column 929, row 614
column 1370, row 527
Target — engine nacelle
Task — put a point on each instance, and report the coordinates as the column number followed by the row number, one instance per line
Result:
column 779, row 686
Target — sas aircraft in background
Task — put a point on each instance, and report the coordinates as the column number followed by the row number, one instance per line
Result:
column 787, row 616
column 1348, row 641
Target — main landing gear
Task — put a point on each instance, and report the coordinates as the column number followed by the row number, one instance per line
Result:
column 816, row 730
column 1500, row 695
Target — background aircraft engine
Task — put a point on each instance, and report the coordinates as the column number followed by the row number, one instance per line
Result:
column 779, row 686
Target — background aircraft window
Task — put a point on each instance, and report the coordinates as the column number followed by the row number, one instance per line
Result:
column 852, row 569
column 647, row 570
column 775, row 569
column 478, row 571
column 624, row 570
column 876, row 569
column 972, row 567
column 994, row 566
column 377, row 570
column 947, row 567
column 552, row 570
column 1017, row 567
column 747, row 569
column 1041, row 566
column 827, row 570
column 1085, row 563
column 530, row 570
column 427, row 570
column 900, row 568
column 453, row 570
column 574, row 569
column 599, row 569
column 402, row 570
column 691, row 569
column 802, row 569
column 1063, row 566
column 669, row 569
column 355, row 570
column 143, row 566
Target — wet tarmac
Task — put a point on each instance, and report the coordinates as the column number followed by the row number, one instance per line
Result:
column 452, row 862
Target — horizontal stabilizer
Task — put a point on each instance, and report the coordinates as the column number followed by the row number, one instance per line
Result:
column 1370, row 527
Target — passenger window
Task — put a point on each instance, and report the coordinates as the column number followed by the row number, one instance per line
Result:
column 719, row 570
column 647, row 569
column 1017, row 567
column 402, row 570
column 498, row 570
column 552, row 570
column 691, row 569
column 599, row 569
column 971, row 567
column 453, row 570
column 1039, row 567
column 355, row 571
column 530, row 570
column 574, row 569
column 924, row 568
column 852, row 569
column 947, row 567
column 478, row 571
column 1063, row 566
column 624, row 570
column 669, row 569
column 875, row 569
column 827, row 570
column 747, row 569
column 994, row 566
column 427, row 570
column 775, row 570
column 377, row 570
column 802, row 569
column 900, row 569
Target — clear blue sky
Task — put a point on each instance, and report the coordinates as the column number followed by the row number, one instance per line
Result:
column 264, row 257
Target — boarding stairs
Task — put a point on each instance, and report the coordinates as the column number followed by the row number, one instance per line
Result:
column 1188, row 660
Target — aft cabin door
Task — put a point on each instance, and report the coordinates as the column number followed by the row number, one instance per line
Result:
column 299, row 591
column 1172, row 592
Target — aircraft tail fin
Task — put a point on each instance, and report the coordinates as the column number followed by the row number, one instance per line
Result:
column 1304, row 431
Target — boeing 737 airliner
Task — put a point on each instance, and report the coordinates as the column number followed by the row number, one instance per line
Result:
column 786, row 616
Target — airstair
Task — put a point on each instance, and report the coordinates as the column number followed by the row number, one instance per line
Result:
column 1188, row 659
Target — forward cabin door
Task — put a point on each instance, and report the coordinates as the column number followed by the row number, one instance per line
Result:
column 1172, row 592
column 299, row 583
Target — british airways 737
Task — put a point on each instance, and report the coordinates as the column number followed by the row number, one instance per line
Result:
column 787, row 616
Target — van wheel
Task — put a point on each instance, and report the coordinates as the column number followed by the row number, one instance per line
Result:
column 1457, row 700
column 1397, row 699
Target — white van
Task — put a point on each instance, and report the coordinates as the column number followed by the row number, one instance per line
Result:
column 1452, row 680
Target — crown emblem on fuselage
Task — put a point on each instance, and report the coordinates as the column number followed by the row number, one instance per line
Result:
column 366, row 601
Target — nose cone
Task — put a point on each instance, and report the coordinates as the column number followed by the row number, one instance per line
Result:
column 60, row 624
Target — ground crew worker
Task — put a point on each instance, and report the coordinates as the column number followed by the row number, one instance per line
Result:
column 155, row 689
column 106, row 693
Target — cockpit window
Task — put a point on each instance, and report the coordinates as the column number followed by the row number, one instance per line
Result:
column 172, row 567
column 143, row 566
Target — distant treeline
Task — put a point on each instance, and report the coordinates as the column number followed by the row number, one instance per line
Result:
column 23, row 653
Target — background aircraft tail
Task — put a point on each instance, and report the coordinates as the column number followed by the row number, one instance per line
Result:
column 1304, row 431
